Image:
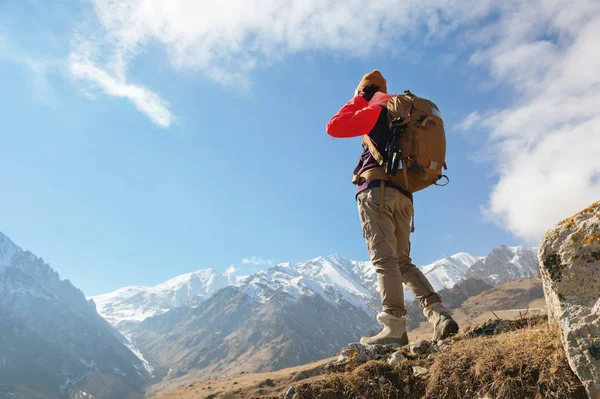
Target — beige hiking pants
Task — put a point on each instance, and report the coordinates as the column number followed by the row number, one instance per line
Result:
column 388, row 240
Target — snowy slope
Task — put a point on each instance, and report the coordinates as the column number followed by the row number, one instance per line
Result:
column 330, row 277
column 130, row 305
column 445, row 273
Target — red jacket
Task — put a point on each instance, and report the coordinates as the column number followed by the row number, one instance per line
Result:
column 359, row 117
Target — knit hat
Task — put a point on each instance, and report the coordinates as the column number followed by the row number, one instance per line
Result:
column 373, row 77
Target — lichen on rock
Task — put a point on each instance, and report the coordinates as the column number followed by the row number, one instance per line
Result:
column 570, row 267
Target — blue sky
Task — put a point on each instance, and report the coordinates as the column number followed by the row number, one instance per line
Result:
column 141, row 140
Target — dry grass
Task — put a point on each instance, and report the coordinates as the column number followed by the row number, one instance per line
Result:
column 497, row 326
column 523, row 359
column 371, row 380
column 529, row 363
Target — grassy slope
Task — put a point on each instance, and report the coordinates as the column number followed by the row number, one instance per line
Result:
column 526, row 361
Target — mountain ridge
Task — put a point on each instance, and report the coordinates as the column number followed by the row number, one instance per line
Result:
column 125, row 308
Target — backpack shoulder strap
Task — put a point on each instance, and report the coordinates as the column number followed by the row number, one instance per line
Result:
column 368, row 143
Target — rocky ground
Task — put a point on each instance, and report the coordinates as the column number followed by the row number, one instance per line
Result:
column 520, row 358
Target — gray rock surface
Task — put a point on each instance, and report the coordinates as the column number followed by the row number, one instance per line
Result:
column 570, row 266
column 420, row 346
column 396, row 358
column 357, row 353
column 419, row 371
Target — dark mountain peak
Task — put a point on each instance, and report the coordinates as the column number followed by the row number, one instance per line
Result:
column 504, row 264
column 56, row 335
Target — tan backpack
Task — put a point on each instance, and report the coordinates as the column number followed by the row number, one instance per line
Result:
column 415, row 155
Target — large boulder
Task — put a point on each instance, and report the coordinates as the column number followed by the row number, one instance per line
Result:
column 570, row 266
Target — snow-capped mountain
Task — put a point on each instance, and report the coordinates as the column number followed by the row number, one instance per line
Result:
column 332, row 277
column 287, row 315
column 128, row 306
column 445, row 273
column 505, row 264
column 53, row 344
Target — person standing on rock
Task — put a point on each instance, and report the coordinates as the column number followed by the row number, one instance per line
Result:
column 386, row 208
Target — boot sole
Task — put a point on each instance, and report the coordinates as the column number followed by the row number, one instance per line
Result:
column 395, row 342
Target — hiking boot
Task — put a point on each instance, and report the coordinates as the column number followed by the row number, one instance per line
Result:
column 443, row 324
column 393, row 333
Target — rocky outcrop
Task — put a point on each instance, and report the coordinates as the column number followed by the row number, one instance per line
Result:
column 570, row 266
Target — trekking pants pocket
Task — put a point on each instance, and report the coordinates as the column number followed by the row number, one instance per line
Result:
column 378, row 230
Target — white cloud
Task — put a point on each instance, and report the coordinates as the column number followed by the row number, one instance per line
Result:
column 145, row 100
column 471, row 120
column 256, row 261
column 230, row 270
column 546, row 145
column 226, row 41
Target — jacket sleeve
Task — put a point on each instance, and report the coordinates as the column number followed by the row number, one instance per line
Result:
column 356, row 118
